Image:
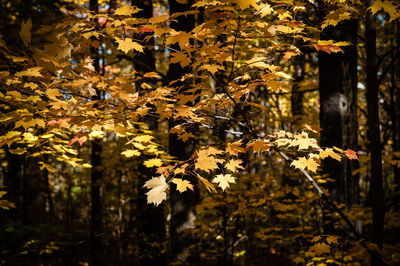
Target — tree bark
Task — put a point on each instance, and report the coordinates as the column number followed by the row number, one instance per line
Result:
column 338, row 109
column 182, row 205
column 96, row 211
column 150, row 219
column 374, row 139
column 297, row 96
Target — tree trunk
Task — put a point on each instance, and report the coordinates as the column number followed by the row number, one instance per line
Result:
column 374, row 139
column 13, row 182
column 182, row 205
column 150, row 219
column 338, row 109
column 297, row 96
column 395, row 115
column 96, row 212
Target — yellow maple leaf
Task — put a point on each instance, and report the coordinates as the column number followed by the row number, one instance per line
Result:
column 158, row 19
column 224, row 180
column 211, row 68
column 157, row 186
column 259, row 145
column 153, row 163
column 303, row 141
column 126, row 10
column 265, row 9
column 143, row 138
column 390, row 7
column 127, row 45
column 243, row 4
column 328, row 152
column 182, row 185
column 320, row 248
column 180, row 58
column 130, row 153
column 234, row 164
column 205, row 161
column 181, row 169
column 303, row 163
column 180, row 37
column 332, row 240
column 25, row 32
column 30, row 72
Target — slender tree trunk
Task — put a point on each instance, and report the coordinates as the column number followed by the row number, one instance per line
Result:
column 297, row 96
column 374, row 138
column 150, row 219
column 395, row 115
column 96, row 212
column 182, row 205
column 338, row 109
column 13, row 182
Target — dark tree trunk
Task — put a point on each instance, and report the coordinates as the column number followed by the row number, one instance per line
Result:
column 297, row 96
column 395, row 117
column 13, row 182
column 374, row 139
column 150, row 219
column 182, row 205
column 338, row 109
column 96, row 211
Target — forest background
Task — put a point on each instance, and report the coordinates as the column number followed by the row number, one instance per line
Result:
column 181, row 132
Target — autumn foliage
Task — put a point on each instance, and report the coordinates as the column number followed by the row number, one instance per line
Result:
column 224, row 90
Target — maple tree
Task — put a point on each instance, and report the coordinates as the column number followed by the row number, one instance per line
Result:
column 215, row 100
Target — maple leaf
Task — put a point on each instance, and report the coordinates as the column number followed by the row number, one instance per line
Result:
column 390, row 7
column 78, row 138
column 332, row 240
column 158, row 19
column 234, row 148
column 130, row 153
column 182, row 185
column 334, row 17
column 224, row 180
column 234, row 164
column 157, row 186
column 143, row 138
column 330, row 46
column 126, row 10
column 153, row 163
column 288, row 54
column 259, row 145
column 265, row 9
column 320, row 248
column 303, row 163
column 30, row 72
column 312, row 165
column 25, row 32
column 180, row 58
column 211, row 68
column 303, row 141
column 127, row 45
column 243, row 4
column 205, row 161
column 352, row 155
column 328, row 152
column 180, row 37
